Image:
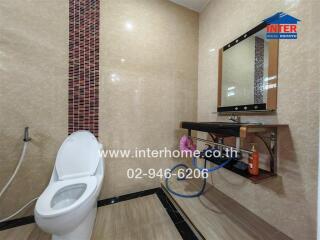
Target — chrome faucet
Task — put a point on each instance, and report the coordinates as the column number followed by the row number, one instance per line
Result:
column 235, row 118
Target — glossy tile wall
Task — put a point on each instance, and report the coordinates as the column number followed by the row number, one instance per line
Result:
column 289, row 201
column 33, row 92
column 148, row 84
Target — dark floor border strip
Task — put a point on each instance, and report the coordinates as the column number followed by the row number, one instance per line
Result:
column 182, row 226
column 181, row 211
column 30, row 219
column 16, row 222
column 126, row 197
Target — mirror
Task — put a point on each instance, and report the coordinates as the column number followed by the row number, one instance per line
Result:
column 248, row 69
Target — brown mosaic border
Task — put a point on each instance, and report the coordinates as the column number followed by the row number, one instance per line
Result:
column 84, row 65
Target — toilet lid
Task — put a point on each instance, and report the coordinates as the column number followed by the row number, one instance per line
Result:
column 78, row 156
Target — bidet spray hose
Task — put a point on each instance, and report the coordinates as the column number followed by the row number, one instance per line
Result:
column 16, row 170
column 19, row 211
column 25, row 145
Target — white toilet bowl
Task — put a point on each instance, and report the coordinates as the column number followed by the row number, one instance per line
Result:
column 67, row 208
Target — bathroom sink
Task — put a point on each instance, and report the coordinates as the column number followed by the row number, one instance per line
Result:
column 223, row 128
column 233, row 123
column 221, row 123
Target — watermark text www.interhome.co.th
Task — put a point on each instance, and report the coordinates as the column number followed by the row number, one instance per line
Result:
column 165, row 153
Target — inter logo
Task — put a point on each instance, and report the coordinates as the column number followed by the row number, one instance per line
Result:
column 281, row 26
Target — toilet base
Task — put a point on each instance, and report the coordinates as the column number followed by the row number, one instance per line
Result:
column 83, row 231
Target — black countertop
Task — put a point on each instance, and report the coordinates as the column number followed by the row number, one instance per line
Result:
column 224, row 128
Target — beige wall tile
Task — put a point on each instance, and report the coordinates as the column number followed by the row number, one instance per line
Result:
column 33, row 92
column 154, row 87
column 289, row 201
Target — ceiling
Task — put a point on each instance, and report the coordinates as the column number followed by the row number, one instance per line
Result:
column 196, row 5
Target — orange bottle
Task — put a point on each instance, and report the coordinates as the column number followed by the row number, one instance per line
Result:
column 254, row 162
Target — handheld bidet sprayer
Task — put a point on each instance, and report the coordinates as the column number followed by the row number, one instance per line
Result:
column 26, row 137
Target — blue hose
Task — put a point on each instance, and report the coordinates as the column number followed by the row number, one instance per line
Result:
column 194, row 163
column 197, row 194
column 210, row 170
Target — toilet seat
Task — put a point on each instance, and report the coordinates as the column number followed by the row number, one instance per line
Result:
column 78, row 156
column 44, row 204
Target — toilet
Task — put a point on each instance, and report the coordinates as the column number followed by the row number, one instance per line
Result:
column 67, row 208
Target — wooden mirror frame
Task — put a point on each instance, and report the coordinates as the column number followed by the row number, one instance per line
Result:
column 271, row 104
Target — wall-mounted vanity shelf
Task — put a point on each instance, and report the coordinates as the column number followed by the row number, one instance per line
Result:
column 268, row 132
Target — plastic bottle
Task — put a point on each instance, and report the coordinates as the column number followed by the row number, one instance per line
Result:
column 254, row 161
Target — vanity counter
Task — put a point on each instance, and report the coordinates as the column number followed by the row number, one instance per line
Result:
column 232, row 129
